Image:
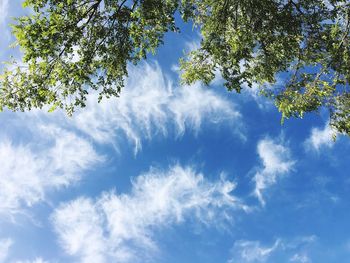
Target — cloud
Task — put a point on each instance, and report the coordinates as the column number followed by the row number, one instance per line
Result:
column 120, row 228
column 150, row 105
column 276, row 162
column 282, row 250
column 4, row 13
column 320, row 138
column 80, row 228
column 37, row 260
column 299, row 248
column 4, row 5
column 27, row 172
column 58, row 150
column 302, row 258
column 252, row 251
column 5, row 245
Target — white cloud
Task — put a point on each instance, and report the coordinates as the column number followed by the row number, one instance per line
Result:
column 119, row 228
column 300, row 241
column 194, row 44
column 254, row 93
column 282, row 250
column 57, row 153
column 320, row 138
column 276, row 162
column 300, row 247
column 151, row 104
column 302, row 258
column 252, row 251
column 27, row 172
column 5, row 245
column 5, row 30
column 80, row 228
column 4, row 5
column 37, row 260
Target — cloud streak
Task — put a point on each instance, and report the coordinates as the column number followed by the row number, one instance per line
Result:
column 282, row 250
column 252, row 251
column 120, row 228
column 150, row 105
column 276, row 162
column 36, row 260
column 320, row 138
column 5, row 245
column 59, row 151
column 4, row 5
column 28, row 173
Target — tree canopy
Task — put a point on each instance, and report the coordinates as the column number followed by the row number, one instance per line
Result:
column 71, row 47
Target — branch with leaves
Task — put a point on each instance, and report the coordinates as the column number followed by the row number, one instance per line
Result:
column 73, row 47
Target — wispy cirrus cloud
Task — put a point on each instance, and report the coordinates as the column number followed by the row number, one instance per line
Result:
column 27, row 172
column 152, row 104
column 321, row 138
column 252, row 251
column 36, row 260
column 53, row 152
column 4, row 5
column 121, row 227
column 301, row 258
column 276, row 162
column 5, row 245
column 4, row 28
column 281, row 250
column 149, row 105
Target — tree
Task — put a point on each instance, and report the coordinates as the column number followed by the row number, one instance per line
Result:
column 73, row 46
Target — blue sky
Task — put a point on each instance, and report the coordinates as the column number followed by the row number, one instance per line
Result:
column 170, row 173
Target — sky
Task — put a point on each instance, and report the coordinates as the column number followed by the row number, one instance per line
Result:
column 171, row 174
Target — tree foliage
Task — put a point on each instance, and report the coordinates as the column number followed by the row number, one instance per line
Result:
column 73, row 46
